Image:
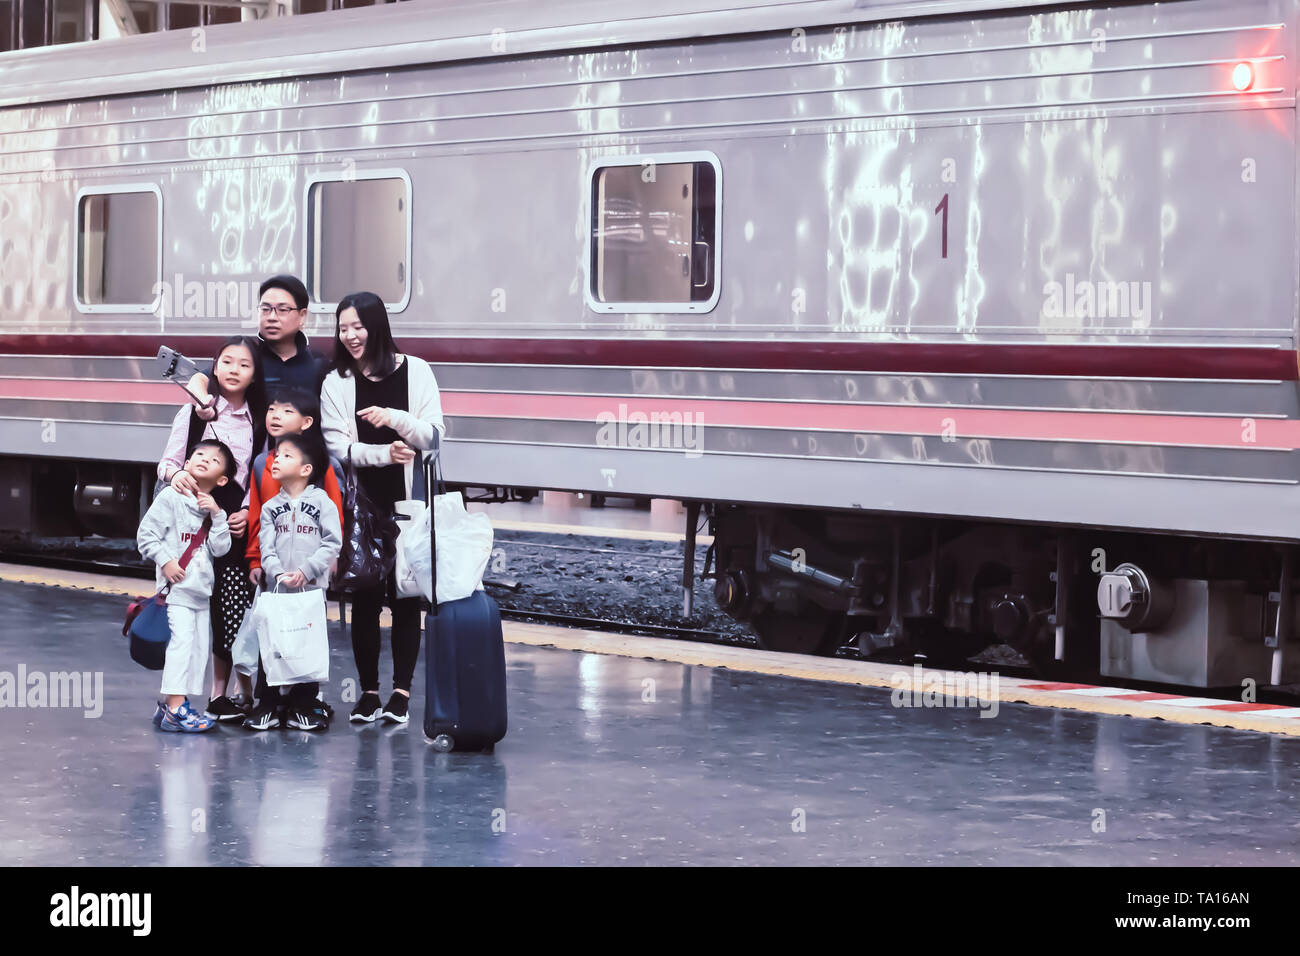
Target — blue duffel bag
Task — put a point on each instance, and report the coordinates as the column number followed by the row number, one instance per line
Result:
column 146, row 617
column 147, row 627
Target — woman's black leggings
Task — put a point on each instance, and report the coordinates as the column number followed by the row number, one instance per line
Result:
column 366, row 606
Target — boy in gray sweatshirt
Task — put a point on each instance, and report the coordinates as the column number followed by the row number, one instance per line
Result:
column 300, row 538
column 167, row 529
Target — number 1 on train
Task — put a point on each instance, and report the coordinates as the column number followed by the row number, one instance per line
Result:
column 943, row 207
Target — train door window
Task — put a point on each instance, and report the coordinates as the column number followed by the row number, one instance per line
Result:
column 358, row 237
column 655, row 226
column 119, row 248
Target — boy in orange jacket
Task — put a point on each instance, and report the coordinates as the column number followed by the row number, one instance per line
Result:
column 289, row 411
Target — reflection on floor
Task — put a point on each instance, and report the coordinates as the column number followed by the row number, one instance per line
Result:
column 615, row 760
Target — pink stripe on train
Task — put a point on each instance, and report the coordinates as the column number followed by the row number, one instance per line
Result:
column 962, row 423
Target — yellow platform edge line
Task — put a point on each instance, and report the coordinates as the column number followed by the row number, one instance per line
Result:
column 1011, row 690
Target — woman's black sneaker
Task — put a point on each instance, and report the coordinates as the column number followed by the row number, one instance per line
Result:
column 395, row 709
column 367, row 709
column 224, row 709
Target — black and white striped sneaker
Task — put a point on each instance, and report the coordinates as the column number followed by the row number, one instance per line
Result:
column 264, row 717
column 395, row 710
column 305, row 718
column 367, row 709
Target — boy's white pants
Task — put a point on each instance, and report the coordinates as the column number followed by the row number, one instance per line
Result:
column 188, row 652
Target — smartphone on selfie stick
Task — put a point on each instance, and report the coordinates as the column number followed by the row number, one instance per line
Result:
column 176, row 368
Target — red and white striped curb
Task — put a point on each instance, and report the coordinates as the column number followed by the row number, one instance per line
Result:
column 1216, row 705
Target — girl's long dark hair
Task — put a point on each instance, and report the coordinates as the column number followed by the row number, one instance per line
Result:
column 255, row 396
column 380, row 354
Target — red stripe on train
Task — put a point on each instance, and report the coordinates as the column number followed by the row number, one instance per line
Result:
column 966, row 358
column 1147, row 429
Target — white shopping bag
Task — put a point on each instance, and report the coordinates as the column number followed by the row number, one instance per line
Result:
column 464, row 548
column 294, row 637
column 412, row 540
column 243, row 652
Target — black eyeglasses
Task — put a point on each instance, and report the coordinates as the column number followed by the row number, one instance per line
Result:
column 266, row 308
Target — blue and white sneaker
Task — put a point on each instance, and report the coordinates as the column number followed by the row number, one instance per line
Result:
column 158, row 714
column 185, row 721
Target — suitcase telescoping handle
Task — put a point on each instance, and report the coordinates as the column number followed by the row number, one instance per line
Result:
column 433, row 487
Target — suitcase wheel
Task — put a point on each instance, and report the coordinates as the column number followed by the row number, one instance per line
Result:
column 443, row 744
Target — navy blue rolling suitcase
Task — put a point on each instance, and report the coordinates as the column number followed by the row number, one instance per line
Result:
column 464, row 667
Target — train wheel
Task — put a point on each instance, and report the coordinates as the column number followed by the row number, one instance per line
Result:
column 814, row 630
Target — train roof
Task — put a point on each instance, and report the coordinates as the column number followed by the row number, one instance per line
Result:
column 419, row 31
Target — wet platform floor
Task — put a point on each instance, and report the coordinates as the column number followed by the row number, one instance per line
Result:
column 611, row 761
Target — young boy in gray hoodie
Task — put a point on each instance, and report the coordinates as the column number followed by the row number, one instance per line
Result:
column 167, row 529
column 300, row 538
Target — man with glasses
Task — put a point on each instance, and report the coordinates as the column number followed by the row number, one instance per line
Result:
column 286, row 359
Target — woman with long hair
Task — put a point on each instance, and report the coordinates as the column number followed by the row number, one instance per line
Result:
column 240, row 422
column 380, row 409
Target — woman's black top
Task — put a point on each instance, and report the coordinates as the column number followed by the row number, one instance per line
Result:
column 385, row 485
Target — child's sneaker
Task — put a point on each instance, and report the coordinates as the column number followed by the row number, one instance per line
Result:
column 305, row 718
column 265, row 716
column 368, row 708
column 158, row 714
column 324, row 711
column 395, row 711
column 223, row 708
column 185, row 720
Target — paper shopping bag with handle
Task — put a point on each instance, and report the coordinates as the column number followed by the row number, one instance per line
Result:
column 293, row 637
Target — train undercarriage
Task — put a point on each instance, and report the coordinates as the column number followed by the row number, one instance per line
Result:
column 1077, row 603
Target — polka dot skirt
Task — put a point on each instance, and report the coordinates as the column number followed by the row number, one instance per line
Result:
column 232, row 593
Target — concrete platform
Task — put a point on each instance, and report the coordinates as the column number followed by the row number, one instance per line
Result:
column 614, row 760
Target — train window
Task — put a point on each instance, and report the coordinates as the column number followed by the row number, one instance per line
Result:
column 655, row 225
column 119, row 248
column 358, row 237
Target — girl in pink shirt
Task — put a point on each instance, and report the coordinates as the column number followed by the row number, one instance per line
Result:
column 240, row 422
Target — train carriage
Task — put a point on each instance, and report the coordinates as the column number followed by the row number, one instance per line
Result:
column 965, row 321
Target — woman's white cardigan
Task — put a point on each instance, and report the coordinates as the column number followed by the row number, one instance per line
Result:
column 338, row 407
